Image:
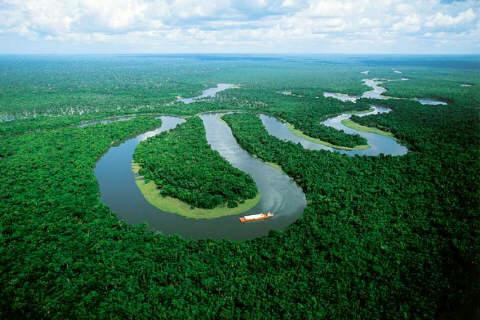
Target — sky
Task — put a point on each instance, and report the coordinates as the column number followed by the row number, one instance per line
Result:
column 246, row 26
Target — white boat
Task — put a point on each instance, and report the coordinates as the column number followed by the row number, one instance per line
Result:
column 256, row 217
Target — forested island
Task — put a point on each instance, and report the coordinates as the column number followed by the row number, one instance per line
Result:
column 183, row 166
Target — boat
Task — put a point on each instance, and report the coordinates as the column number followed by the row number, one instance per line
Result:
column 256, row 217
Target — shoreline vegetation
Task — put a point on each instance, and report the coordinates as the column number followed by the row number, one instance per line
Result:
column 182, row 166
column 355, row 126
column 175, row 206
column 299, row 133
column 273, row 165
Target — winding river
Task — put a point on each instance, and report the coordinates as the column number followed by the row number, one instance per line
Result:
column 377, row 92
column 208, row 93
column 279, row 192
column 378, row 144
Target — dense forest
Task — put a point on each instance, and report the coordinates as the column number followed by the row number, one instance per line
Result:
column 183, row 166
column 381, row 238
column 448, row 202
column 303, row 113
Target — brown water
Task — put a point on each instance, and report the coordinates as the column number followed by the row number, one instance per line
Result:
column 279, row 193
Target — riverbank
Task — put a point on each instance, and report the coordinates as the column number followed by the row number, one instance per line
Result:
column 378, row 141
column 300, row 134
column 172, row 205
column 355, row 126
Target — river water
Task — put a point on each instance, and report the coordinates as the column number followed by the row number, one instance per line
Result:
column 377, row 92
column 379, row 144
column 430, row 102
column 279, row 193
column 209, row 93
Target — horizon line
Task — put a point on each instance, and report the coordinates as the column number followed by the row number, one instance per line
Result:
column 230, row 53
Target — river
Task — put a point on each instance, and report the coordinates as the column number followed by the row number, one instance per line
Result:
column 279, row 193
column 208, row 93
column 377, row 92
column 378, row 144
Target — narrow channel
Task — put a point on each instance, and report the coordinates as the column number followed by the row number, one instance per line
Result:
column 377, row 92
column 208, row 93
column 378, row 144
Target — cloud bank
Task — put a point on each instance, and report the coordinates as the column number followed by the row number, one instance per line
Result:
column 248, row 26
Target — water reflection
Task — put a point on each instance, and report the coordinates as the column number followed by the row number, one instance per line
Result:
column 209, row 93
column 377, row 92
column 378, row 144
column 430, row 102
column 120, row 193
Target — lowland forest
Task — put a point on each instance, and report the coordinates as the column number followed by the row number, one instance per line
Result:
column 97, row 153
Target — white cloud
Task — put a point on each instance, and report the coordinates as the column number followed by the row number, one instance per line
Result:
column 332, row 8
column 410, row 23
column 242, row 25
column 111, row 14
column 370, row 23
column 444, row 20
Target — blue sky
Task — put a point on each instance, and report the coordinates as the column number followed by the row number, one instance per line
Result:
column 248, row 26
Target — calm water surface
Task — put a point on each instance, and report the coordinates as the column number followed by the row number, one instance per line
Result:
column 209, row 93
column 430, row 102
column 279, row 192
column 377, row 92
column 379, row 144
